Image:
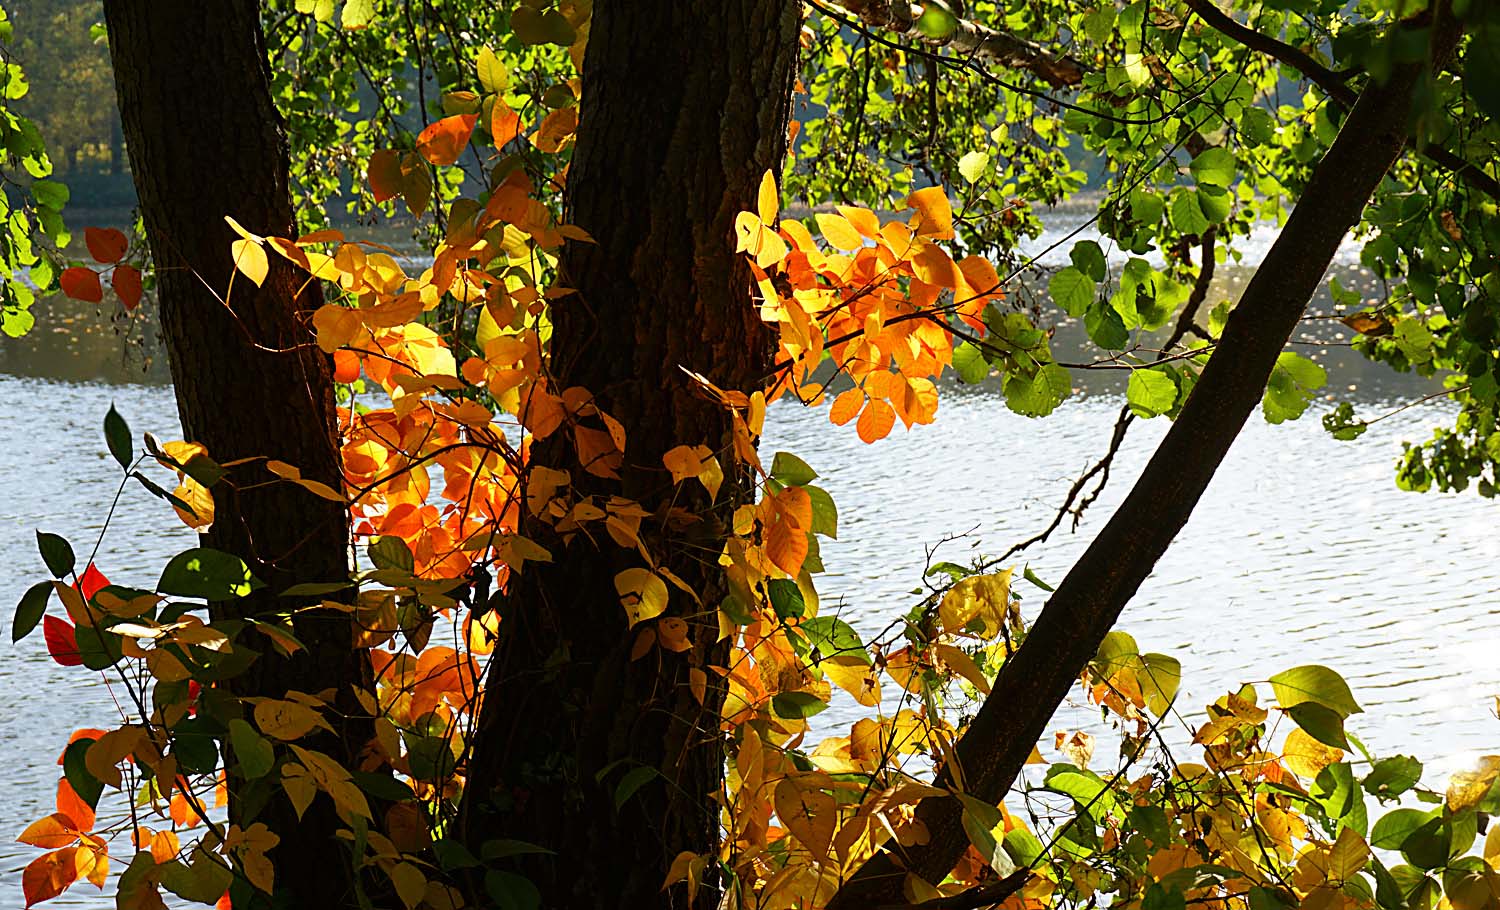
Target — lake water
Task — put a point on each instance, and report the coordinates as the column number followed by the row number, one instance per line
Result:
column 1302, row 551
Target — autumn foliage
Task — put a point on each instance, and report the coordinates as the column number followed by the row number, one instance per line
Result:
column 449, row 388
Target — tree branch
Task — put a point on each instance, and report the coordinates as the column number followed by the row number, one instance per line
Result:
column 1333, row 85
column 1003, row 48
column 1088, row 601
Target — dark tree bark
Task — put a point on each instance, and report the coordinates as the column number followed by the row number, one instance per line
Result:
column 205, row 141
column 1067, row 634
column 685, row 106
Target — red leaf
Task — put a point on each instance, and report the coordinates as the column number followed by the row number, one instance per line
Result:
column 62, row 644
column 442, row 142
column 105, row 244
column 91, row 582
column 127, row 285
column 81, row 283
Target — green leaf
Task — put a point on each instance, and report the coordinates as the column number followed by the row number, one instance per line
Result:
column 973, row 165
column 253, row 753
column 209, row 574
column 1323, row 724
column 357, row 14
column 204, row 470
column 791, row 470
column 501, row 848
column 793, row 705
column 1072, row 290
column 50, row 193
column 1214, row 202
column 633, row 780
column 1150, row 392
column 1187, row 215
column 1335, row 790
column 534, row 27
column 1032, row 577
column 1214, row 167
column 786, row 598
column 834, row 638
column 980, row 820
column 1159, row 679
column 937, row 21
column 969, row 363
column 1316, row 684
column 1040, row 395
column 1482, row 69
column 1023, row 846
column 1088, row 256
column 117, row 437
column 1391, row 777
column 391, row 553
column 57, row 553
column 825, row 515
column 29, row 612
column 84, row 783
column 510, row 891
column 381, row 786
column 1105, row 327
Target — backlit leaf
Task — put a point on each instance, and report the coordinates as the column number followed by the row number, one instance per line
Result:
column 106, row 245
column 444, row 141
column 81, row 283
column 126, row 282
column 1317, row 684
column 250, row 260
column 209, row 574
column 643, row 594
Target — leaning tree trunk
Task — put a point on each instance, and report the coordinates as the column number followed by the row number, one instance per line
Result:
column 1067, row 634
column 685, row 106
column 205, row 141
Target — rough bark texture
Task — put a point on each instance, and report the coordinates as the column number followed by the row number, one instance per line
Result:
column 205, row 141
column 685, row 106
column 1086, row 604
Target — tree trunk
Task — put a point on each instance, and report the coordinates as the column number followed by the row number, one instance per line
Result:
column 1067, row 634
column 685, row 106
column 205, row 141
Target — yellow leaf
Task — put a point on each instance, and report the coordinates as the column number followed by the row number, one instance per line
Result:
column 980, row 600
column 410, row 884
column 1305, row 756
column 642, row 593
column 299, row 786
column 767, row 201
column 854, row 676
column 1467, row 788
column 808, row 813
column 238, row 229
column 838, row 231
column 962, row 664
column 287, row 720
column 250, row 259
column 336, row 326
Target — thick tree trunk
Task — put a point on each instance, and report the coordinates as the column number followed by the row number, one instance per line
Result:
column 1068, row 632
column 205, row 141
column 685, row 106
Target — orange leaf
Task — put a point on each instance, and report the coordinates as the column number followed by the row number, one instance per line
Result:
column 81, row 284
column 934, row 216
column 444, row 141
column 71, row 805
column 49, row 875
column 876, row 421
column 105, row 244
column 846, row 406
column 50, row 833
column 505, row 124
column 127, row 284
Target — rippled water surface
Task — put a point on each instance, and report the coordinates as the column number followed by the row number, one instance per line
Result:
column 1302, row 551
